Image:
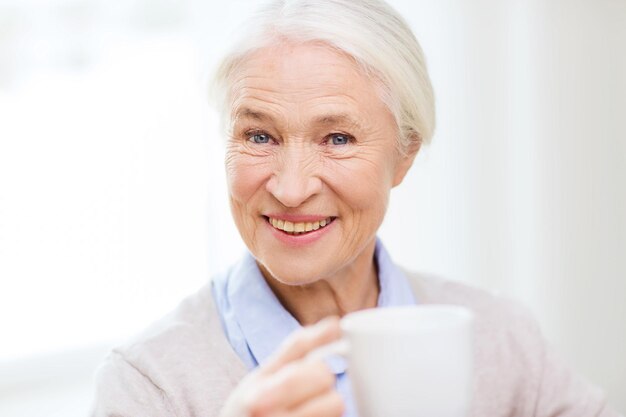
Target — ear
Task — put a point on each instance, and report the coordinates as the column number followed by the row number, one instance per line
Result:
column 405, row 160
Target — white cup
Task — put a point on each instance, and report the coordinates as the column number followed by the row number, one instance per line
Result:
column 413, row 361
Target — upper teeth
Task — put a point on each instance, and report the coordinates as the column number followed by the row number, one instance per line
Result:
column 300, row 227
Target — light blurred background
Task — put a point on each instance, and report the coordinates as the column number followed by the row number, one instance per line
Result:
column 113, row 203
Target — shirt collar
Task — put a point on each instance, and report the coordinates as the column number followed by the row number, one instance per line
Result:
column 395, row 289
column 265, row 323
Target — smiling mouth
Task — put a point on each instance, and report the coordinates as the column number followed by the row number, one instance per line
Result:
column 299, row 228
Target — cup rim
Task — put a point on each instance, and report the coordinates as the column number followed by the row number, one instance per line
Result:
column 393, row 320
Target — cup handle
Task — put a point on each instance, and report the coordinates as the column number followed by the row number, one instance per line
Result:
column 340, row 347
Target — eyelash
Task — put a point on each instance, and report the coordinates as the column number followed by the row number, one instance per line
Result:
column 251, row 134
column 349, row 138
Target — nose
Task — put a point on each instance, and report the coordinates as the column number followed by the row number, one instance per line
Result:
column 294, row 180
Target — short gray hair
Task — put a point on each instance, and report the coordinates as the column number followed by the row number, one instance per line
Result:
column 370, row 31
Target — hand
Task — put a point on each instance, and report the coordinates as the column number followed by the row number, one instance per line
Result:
column 288, row 384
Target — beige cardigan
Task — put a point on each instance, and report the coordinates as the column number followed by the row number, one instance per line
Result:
column 183, row 366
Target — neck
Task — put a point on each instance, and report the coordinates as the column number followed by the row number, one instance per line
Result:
column 352, row 288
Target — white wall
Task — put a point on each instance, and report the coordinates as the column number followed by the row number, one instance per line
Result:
column 524, row 188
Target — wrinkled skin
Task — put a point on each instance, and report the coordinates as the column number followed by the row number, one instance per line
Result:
column 299, row 96
column 310, row 136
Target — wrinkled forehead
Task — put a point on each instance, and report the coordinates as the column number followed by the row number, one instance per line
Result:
column 295, row 62
column 309, row 78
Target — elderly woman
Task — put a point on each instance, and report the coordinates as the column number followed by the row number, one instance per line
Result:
column 327, row 103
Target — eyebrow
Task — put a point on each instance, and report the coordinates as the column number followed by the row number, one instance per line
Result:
column 247, row 113
column 335, row 119
column 323, row 120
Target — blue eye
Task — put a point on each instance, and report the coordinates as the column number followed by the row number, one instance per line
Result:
column 259, row 138
column 339, row 139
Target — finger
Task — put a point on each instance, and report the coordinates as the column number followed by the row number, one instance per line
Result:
column 302, row 342
column 294, row 384
column 328, row 405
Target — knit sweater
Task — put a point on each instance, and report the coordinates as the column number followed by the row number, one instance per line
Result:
column 184, row 366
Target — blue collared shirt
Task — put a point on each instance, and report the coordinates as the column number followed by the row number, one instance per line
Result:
column 256, row 323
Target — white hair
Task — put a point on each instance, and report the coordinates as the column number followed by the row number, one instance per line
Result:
column 370, row 31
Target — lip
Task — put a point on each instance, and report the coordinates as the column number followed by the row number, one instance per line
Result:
column 305, row 239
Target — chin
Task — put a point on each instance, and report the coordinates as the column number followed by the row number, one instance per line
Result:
column 292, row 272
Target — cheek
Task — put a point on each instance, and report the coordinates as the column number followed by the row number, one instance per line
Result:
column 245, row 174
column 364, row 184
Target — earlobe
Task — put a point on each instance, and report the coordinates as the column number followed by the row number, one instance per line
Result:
column 405, row 160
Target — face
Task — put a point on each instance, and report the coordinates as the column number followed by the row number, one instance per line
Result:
column 310, row 161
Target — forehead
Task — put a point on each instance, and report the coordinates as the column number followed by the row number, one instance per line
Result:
column 304, row 79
